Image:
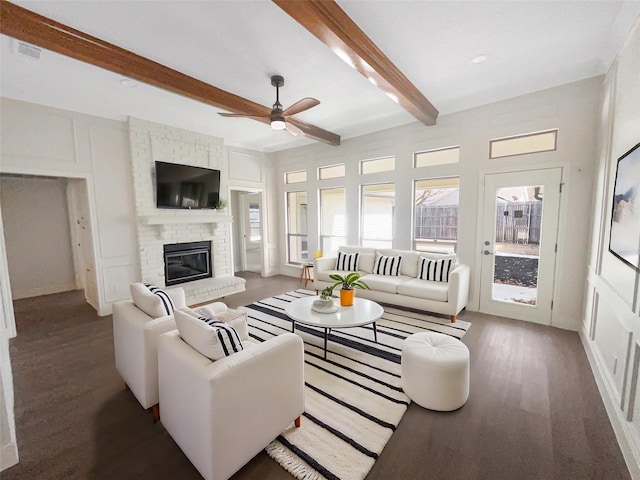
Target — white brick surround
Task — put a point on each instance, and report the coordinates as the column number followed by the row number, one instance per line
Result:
column 150, row 142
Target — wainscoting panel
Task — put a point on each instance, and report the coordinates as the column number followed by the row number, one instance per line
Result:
column 613, row 341
column 116, row 280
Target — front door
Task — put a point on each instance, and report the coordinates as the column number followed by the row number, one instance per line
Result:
column 519, row 244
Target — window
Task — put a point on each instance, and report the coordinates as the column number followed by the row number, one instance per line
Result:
column 295, row 177
column 297, row 251
column 378, row 165
column 377, row 217
column 436, row 157
column 334, row 171
column 332, row 220
column 254, row 222
column 522, row 144
column 436, row 214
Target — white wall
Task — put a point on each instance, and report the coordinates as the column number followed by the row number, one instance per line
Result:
column 571, row 108
column 36, row 230
column 610, row 327
column 39, row 140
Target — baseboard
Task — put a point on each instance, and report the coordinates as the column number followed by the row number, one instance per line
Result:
column 623, row 432
column 48, row 290
column 8, row 456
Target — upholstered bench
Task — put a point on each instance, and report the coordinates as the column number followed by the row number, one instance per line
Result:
column 435, row 370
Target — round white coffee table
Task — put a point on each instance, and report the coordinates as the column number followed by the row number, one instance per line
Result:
column 362, row 312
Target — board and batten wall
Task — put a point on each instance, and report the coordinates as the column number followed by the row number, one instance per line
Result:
column 571, row 108
column 44, row 141
column 37, row 236
column 610, row 327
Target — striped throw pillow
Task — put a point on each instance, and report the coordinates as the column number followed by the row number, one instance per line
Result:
column 165, row 299
column 387, row 265
column 347, row 261
column 435, row 270
column 227, row 335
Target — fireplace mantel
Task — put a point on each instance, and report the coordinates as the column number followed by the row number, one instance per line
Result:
column 163, row 221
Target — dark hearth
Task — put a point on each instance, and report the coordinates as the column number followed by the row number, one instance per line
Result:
column 186, row 262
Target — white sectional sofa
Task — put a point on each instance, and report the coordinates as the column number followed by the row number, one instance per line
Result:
column 405, row 289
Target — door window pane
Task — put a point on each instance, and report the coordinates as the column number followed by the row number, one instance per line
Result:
column 436, row 214
column 332, row 220
column 517, row 244
column 377, row 217
column 297, row 251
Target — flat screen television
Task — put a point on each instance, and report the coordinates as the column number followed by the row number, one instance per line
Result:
column 184, row 186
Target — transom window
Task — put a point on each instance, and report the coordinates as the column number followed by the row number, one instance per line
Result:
column 333, row 171
column 377, row 165
column 522, row 144
column 295, row 177
column 436, row 157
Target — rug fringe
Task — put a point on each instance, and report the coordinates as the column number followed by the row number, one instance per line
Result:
column 291, row 462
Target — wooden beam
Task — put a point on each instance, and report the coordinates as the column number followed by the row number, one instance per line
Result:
column 329, row 23
column 25, row 25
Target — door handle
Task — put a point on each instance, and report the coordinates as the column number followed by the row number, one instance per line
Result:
column 487, row 252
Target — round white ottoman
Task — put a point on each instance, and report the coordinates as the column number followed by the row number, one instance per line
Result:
column 435, row 371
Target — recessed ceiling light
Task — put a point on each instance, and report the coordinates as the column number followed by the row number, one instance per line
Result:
column 479, row 59
column 127, row 82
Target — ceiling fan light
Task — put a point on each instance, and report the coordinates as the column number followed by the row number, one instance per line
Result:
column 278, row 124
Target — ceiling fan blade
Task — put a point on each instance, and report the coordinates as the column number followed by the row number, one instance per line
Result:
column 246, row 115
column 317, row 133
column 301, row 106
column 292, row 129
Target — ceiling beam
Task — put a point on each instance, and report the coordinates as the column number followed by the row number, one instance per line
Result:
column 25, row 25
column 329, row 23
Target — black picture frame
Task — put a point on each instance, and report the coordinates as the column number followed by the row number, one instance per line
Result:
column 624, row 239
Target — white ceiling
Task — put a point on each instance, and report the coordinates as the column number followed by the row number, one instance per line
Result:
column 238, row 45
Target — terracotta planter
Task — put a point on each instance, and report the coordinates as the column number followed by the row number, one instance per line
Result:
column 346, row 297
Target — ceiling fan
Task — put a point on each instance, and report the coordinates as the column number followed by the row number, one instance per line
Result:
column 278, row 117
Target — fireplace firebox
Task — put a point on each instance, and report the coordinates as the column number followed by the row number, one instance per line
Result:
column 186, row 262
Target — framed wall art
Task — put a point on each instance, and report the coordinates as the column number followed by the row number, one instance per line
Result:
column 624, row 241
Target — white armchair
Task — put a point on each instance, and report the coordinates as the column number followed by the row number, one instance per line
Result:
column 222, row 413
column 135, row 336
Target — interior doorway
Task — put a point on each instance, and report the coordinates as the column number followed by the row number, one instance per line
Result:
column 247, row 231
column 519, row 244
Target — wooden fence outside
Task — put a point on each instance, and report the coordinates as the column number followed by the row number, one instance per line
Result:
column 516, row 222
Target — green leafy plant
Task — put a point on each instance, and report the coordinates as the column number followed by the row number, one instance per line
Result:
column 349, row 282
column 221, row 204
column 326, row 293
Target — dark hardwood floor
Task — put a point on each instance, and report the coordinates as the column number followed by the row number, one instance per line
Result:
column 534, row 411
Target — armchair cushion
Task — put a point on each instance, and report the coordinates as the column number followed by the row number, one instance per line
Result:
column 208, row 336
column 152, row 300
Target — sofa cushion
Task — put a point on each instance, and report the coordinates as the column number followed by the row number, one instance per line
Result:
column 437, row 256
column 384, row 283
column 347, row 261
column 236, row 318
column 210, row 337
column 387, row 265
column 152, row 300
column 426, row 289
column 435, row 270
column 409, row 265
column 367, row 256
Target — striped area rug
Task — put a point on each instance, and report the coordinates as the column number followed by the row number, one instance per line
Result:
column 353, row 400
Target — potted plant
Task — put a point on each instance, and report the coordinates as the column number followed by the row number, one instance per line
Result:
column 349, row 283
column 325, row 301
